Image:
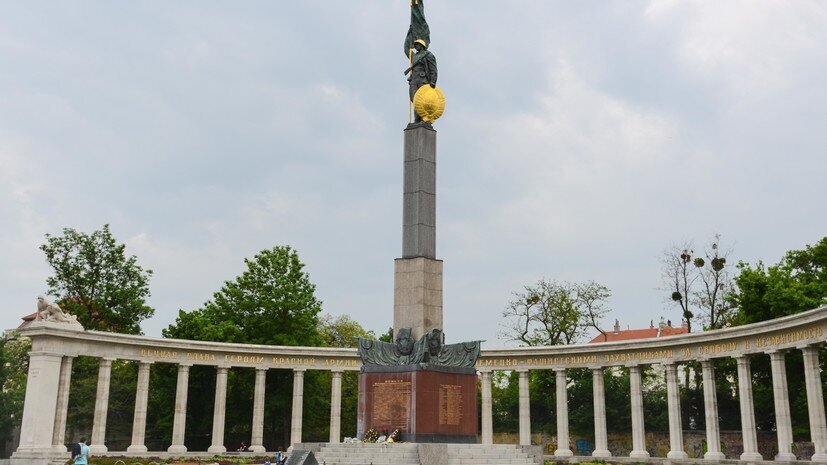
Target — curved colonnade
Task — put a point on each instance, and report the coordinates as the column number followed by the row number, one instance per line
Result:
column 54, row 347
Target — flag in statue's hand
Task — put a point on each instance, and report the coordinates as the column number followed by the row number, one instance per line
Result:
column 419, row 27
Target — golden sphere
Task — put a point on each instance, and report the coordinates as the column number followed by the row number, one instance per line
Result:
column 429, row 103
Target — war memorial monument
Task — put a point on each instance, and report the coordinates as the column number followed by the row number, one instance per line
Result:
column 420, row 384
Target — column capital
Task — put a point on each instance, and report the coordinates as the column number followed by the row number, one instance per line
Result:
column 222, row 369
column 559, row 369
column 485, row 370
column 522, row 371
column 632, row 366
column 299, row 370
column 262, row 369
column 776, row 353
column 742, row 359
column 145, row 362
column 336, row 373
column 814, row 347
column 597, row 369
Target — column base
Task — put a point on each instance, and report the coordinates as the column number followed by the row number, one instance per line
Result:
column 40, row 457
column 819, row 458
column 677, row 454
column 714, row 456
column 639, row 454
column 563, row 453
column 177, row 449
column 785, row 457
column 601, row 453
column 258, row 449
column 60, row 449
column 136, row 449
column 97, row 449
column 751, row 457
column 217, row 449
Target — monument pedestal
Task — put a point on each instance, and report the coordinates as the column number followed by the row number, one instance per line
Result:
column 425, row 404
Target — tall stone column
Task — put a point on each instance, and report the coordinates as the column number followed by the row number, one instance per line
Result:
column 713, row 434
column 673, row 401
column 257, row 439
column 219, row 412
column 139, row 420
column 525, row 409
column 62, row 409
column 815, row 403
column 638, row 429
column 417, row 300
column 781, row 401
column 179, row 419
column 98, row 445
column 562, row 400
column 298, row 404
column 487, row 407
column 750, row 437
column 336, row 407
column 38, row 423
column 601, row 439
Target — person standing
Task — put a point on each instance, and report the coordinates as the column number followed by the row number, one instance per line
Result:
column 80, row 453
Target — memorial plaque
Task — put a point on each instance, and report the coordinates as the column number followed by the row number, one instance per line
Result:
column 450, row 404
column 392, row 404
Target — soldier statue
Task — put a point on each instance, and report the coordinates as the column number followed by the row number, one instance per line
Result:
column 422, row 71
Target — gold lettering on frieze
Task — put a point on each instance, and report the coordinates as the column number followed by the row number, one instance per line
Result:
column 200, row 356
column 712, row 349
column 234, row 358
column 625, row 357
column 294, row 361
column 162, row 354
column 788, row 337
column 334, row 362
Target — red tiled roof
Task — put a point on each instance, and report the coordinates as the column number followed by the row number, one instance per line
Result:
column 27, row 320
column 632, row 334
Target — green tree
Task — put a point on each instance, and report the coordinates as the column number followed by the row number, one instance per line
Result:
column 272, row 302
column 553, row 313
column 341, row 331
column 797, row 283
column 95, row 280
column 14, row 366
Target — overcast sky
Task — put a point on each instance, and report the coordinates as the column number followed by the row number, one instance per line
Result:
column 580, row 140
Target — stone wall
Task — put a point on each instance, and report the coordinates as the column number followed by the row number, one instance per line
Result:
column 657, row 444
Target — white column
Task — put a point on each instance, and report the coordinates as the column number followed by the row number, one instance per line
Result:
column 43, row 382
column 673, row 401
column 713, row 434
column 98, row 444
column 748, row 433
column 179, row 421
column 487, row 406
column 525, row 409
column 336, row 407
column 815, row 403
column 638, row 429
column 298, row 404
column 62, row 409
column 561, row 398
column 257, row 439
column 139, row 420
column 781, row 401
column 219, row 412
column 601, row 440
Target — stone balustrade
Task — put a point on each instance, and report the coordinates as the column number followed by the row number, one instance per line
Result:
column 54, row 348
